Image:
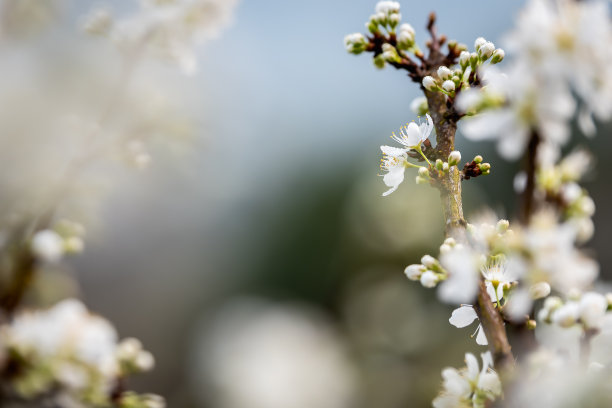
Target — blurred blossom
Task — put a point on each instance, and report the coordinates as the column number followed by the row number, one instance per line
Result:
column 549, row 380
column 258, row 354
column 168, row 29
column 21, row 18
column 72, row 355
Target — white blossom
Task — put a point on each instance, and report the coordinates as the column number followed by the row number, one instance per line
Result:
column 461, row 285
column 412, row 135
column 469, row 386
column 394, row 162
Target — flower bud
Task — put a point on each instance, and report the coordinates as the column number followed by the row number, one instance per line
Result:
column 445, row 249
column 429, row 83
column 394, row 19
column 429, row 279
column 587, row 206
column 486, row 50
column 502, row 226
column 355, row 43
column 423, row 172
column 479, row 42
column 498, row 56
column 429, row 261
column 474, row 59
column 566, row 315
column 448, row 86
column 413, row 272
column 454, row 158
column 379, row 61
column 478, row 159
column 419, row 106
column 444, row 72
column 48, row 246
column 445, row 167
column 439, row 164
column 405, row 38
column 144, row 361
column 464, row 59
column 552, row 303
column 539, row 290
column 531, row 324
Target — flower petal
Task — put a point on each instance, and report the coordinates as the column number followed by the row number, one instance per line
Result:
column 472, row 366
column 463, row 316
column 481, row 337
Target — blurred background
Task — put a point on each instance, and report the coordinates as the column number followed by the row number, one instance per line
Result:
column 257, row 260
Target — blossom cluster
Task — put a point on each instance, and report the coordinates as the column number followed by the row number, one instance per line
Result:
column 558, row 50
column 67, row 354
column 450, row 81
column 534, row 275
column 469, row 386
column 169, row 30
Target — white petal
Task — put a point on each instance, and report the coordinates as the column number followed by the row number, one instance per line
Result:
column 472, row 366
column 393, row 151
column 518, row 305
column 487, row 360
column 463, row 316
column 481, row 337
column 413, row 134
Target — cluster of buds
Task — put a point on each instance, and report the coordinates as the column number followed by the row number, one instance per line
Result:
column 388, row 38
column 430, row 272
column 387, row 15
column 50, row 245
column 68, row 351
column 355, row 43
column 439, row 168
column 559, row 186
column 450, row 80
column 405, row 37
column 475, row 168
column 133, row 358
column 586, row 310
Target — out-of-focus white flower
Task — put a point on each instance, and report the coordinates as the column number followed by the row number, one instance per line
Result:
column 99, row 22
column 68, row 345
column 465, row 316
column 461, row 285
column 260, row 355
column 558, row 48
column 469, row 386
column 593, row 307
column 172, row 30
column 48, row 246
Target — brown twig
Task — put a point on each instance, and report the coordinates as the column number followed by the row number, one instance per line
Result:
column 529, row 202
